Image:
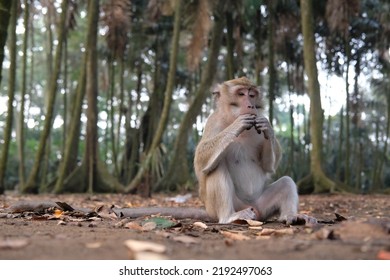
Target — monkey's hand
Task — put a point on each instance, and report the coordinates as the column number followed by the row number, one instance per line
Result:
column 262, row 125
column 242, row 122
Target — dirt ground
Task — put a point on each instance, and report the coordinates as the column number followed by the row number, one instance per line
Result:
column 84, row 227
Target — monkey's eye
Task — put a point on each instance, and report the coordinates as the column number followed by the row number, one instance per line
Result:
column 241, row 93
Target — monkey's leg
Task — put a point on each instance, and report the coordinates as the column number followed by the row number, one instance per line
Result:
column 279, row 197
column 282, row 197
column 220, row 196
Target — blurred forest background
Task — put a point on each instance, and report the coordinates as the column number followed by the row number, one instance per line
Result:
column 111, row 95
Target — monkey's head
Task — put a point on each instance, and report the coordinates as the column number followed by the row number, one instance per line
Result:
column 237, row 97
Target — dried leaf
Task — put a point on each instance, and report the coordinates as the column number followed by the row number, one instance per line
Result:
column 340, row 218
column 325, row 233
column 149, row 256
column 61, row 223
column 13, row 243
column 267, row 231
column 277, row 232
column 200, row 225
column 134, row 226
column 161, row 222
column 235, row 236
column 149, row 226
column 254, row 223
column 256, row 228
column 58, row 213
column 65, row 206
column 137, row 246
column 93, row 245
column 186, row 239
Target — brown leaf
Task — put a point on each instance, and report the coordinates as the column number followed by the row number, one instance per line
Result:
column 143, row 250
column 16, row 243
column 200, row 225
column 133, row 226
column 235, row 236
column 149, row 226
column 340, row 218
column 277, row 232
column 93, row 245
column 186, row 239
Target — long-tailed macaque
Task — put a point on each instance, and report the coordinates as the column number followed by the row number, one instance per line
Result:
column 233, row 163
column 236, row 156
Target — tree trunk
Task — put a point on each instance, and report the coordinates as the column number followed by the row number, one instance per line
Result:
column 68, row 163
column 5, row 14
column 91, row 175
column 21, row 126
column 32, row 182
column 178, row 173
column 144, row 168
column 271, row 58
column 11, row 94
column 91, row 139
column 321, row 182
column 229, row 46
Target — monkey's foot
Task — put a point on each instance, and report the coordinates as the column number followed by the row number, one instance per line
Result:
column 246, row 214
column 298, row 219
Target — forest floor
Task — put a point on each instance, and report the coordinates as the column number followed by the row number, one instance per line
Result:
column 84, row 227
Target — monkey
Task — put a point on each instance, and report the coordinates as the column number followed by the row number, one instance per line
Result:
column 234, row 162
column 236, row 157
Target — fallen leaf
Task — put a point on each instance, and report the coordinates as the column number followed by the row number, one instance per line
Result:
column 149, row 256
column 58, row 213
column 141, row 246
column 325, row 233
column 149, row 226
column 277, row 232
column 200, row 225
column 93, row 245
column 266, row 231
column 339, row 217
column 133, row 226
column 61, row 223
column 161, row 222
column 235, row 236
column 142, row 250
column 13, row 243
column 254, row 223
column 186, row 239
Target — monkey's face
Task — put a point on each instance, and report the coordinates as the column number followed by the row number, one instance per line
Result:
column 240, row 100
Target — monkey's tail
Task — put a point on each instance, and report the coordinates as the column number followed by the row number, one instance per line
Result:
column 175, row 212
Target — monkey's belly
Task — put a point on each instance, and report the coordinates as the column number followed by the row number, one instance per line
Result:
column 248, row 182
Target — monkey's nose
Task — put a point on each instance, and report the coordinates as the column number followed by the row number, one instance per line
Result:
column 251, row 107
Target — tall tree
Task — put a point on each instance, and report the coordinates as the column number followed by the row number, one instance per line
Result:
column 32, row 183
column 178, row 171
column 167, row 102
column 5, row 13
column 21, row 125
column 321, row 182
column 271, row 57
column 11, row 95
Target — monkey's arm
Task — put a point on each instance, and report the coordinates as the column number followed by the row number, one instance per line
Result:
column 270, row 151
column 211, row 149
column 270, row 155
